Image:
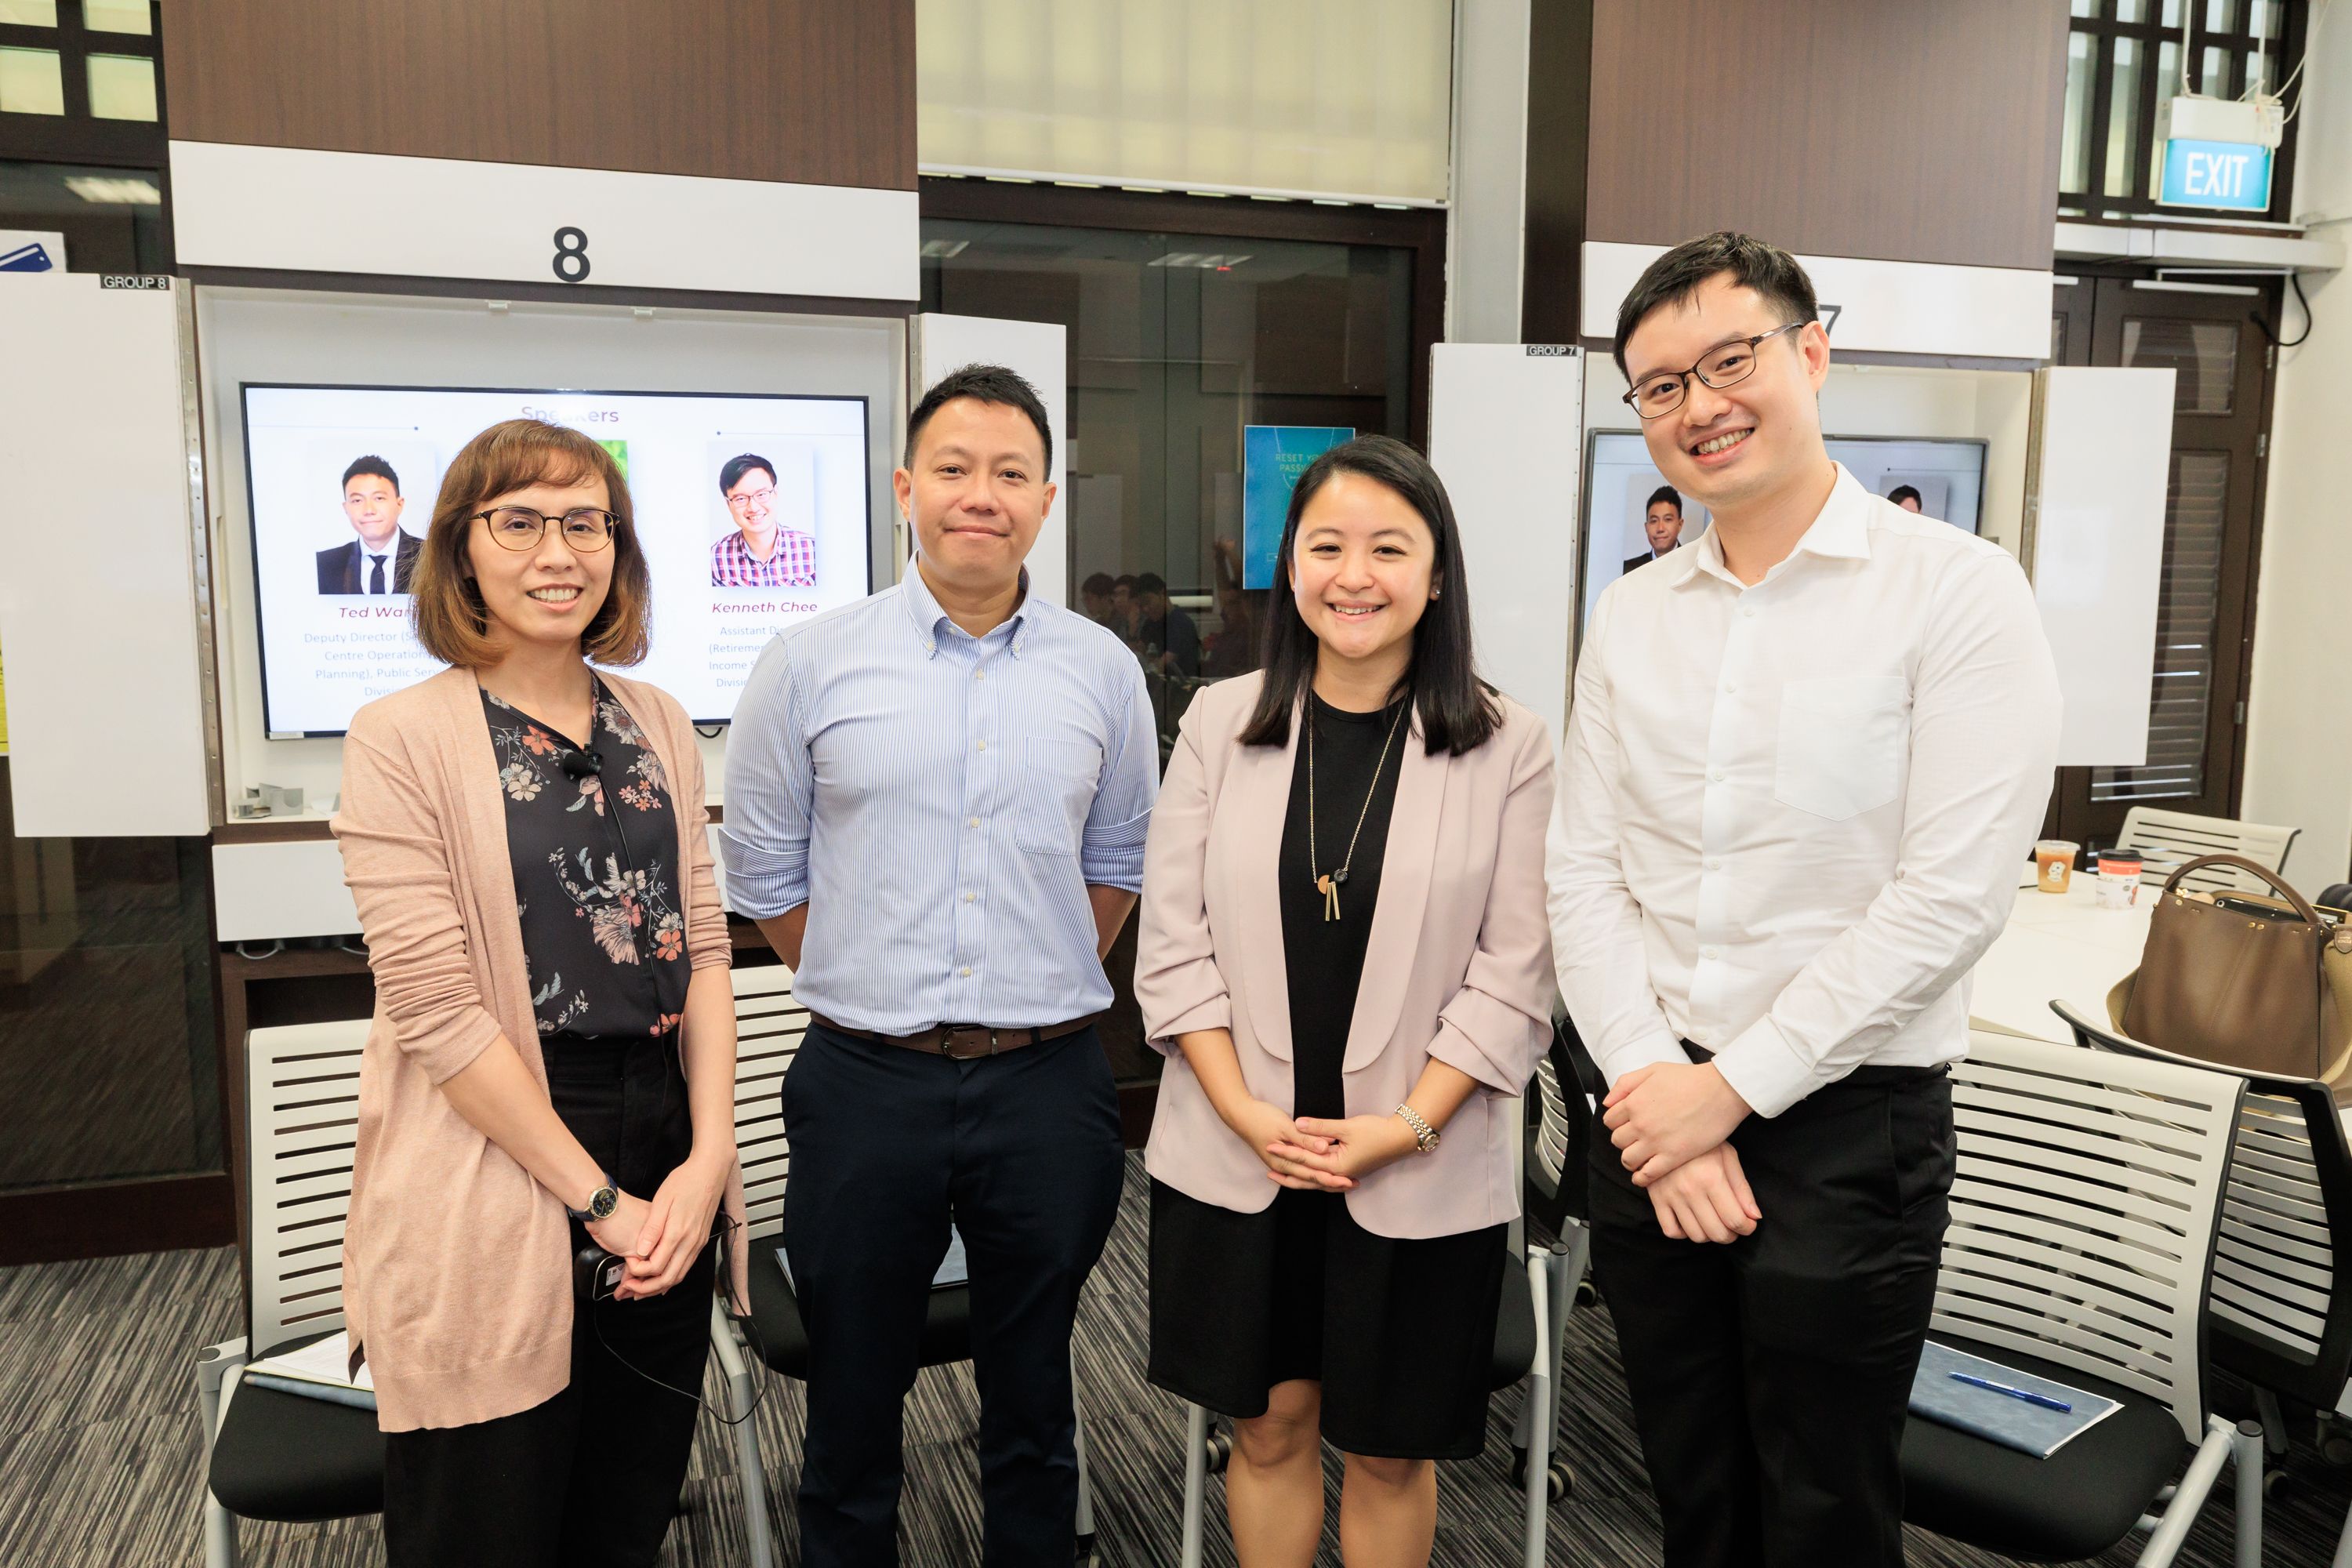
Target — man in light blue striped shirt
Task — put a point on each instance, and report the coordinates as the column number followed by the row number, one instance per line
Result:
column 936, row 805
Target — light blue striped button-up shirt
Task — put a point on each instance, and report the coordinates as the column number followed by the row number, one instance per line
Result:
column 940, row 803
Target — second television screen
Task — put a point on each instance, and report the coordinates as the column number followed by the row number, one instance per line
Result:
column 752, row 511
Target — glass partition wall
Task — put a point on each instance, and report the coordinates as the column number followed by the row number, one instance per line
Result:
column 1181, row 339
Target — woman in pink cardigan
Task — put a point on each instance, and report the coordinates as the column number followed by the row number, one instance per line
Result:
column 1344, row 949
column 551, row 1064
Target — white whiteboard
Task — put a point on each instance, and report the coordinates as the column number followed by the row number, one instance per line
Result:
column 1495, row 410
column 2102, row 454
column 1036, row 349
column 97, row 614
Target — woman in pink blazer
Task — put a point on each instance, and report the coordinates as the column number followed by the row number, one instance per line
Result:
column 1345, row 956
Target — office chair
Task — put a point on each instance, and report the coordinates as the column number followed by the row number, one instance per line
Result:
column 269, row 1454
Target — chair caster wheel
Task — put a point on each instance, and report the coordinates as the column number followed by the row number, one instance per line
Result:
column 2276, row 1483
column 1587, row 1293
column 1559, row 1479
column 1220, row 1446
column 2335, row 1448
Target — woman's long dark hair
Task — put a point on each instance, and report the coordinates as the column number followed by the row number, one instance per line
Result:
column 1456, row 709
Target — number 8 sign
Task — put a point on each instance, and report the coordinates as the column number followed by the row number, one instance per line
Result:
column 571, row 254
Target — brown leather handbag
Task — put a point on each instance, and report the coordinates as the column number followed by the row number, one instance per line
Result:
column 2266, row 986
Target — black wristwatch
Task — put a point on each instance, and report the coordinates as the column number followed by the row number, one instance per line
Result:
column 601, row 1202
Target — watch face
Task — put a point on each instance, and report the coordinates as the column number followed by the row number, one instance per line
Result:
column 603, row 1203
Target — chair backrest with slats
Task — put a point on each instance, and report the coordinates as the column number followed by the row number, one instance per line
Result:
column 301, row 1123
column 2085, row 1210
column 768, row 1029
column 2282, row 1310
column 2188, row 837
column 1560, row 1127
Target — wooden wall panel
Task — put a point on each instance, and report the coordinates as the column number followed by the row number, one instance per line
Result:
column 1893, row 129
column 812, row 92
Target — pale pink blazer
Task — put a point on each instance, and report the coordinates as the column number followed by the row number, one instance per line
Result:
column 1458, row 965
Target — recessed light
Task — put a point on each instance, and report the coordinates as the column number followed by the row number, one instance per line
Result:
column 117, row 191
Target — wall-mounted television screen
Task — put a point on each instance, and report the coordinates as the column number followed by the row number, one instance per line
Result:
column 1628, row 523
column 752, row 511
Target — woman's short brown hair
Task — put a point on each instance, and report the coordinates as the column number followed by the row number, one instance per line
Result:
column 451, row 620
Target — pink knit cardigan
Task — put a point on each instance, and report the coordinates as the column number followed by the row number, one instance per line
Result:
column 456, row 1271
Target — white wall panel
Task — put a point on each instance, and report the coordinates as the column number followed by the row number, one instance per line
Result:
column 1495, row 410
column 295, row 209
column 2096, row 489
column 1883, row 307
column 937, row 345
column 265, row 891
column 98, row 618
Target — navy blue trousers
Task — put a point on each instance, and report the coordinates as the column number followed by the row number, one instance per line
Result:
column 1022, row 1151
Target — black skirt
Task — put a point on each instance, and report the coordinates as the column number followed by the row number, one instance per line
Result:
column 1399, row 1333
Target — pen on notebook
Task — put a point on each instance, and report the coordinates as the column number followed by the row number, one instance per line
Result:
column 2027, row 1394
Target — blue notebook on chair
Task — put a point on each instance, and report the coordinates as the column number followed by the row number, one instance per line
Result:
column 952, row 1269
column 2002, row 1418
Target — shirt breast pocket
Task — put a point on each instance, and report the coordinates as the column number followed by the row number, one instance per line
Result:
column 1842, row 743
column 1054, row 793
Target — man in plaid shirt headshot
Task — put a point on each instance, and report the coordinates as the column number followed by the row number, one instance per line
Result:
column 760, row 553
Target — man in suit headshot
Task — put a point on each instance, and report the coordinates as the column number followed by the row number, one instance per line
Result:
column 1662, row 521
column 381, row 559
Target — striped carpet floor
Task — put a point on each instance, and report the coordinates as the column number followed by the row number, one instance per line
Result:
column 100, row 1451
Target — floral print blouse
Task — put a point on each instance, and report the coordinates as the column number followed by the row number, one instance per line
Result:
column 595, row 857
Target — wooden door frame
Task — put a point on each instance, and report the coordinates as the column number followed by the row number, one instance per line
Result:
column 2093, row 305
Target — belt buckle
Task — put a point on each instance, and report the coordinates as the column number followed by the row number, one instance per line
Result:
column 952, row 1048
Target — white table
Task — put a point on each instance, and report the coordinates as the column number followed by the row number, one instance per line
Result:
column 2061, row 946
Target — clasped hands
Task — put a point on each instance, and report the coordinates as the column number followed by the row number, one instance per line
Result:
column 1315, row 1155
column 1669, row 1122
column 657, row 1242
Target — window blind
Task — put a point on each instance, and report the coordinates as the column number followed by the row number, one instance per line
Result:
column 1332, row 98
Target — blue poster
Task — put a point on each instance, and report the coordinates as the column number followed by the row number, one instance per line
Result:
column 1273, row 457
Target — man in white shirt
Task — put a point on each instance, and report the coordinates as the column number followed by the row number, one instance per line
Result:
column 1806, row 758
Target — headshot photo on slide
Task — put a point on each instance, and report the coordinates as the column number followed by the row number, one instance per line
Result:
column 768, row 498
column 378, row 555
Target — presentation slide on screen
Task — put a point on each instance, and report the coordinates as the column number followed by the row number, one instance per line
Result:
column 751, row 513
column 1627, row 523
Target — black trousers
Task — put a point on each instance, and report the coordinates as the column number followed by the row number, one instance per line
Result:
column 1770, row 1377
column 592, row 1476
column 1022, row 1153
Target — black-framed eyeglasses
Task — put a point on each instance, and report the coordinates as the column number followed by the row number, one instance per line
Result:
column 586, row 528
column 1726, row 364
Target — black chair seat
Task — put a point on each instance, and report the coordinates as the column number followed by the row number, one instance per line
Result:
column 2072, row 1505
column 1514, row 1325
column 782, row 1338
column 296, row 1460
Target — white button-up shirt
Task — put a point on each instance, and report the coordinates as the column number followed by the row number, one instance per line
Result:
column 1792, row 816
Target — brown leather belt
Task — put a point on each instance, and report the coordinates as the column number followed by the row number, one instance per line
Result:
column 962, row 1042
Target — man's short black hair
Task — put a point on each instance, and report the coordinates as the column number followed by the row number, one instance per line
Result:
column 987, row 383
column 1902, row 493
column 732, row 473
column 372, row 465
column 1151, row 582
column 1100, row 583
column 1666, row 493
column 1753, row 263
